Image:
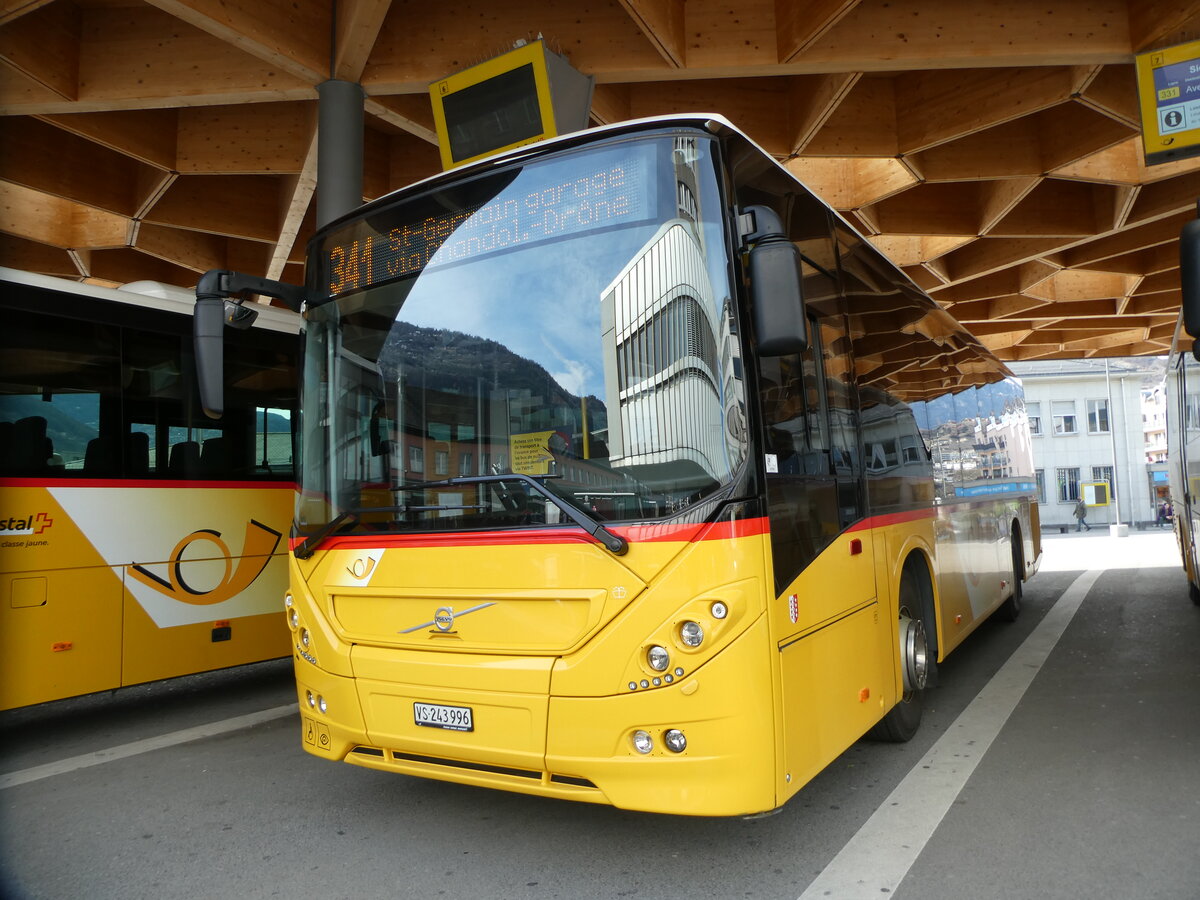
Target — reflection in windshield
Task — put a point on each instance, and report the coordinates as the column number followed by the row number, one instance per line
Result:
column 561, row 329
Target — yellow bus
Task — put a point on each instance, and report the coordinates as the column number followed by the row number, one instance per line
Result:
column 138, row 539
column 632, row 474
column 1183, row 409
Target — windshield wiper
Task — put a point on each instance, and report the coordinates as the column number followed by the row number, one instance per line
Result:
column 308, row 546
column 614, row 542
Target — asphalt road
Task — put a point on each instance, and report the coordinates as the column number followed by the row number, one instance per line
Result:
column 1088, row 786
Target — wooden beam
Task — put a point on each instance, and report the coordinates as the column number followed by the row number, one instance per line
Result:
column 31, row 256
column 49, row 160
column 358, row 25
column 14, row 9
column 1128, row 240
column 245, row 206
column 800, row 25
column 1113, row 92
column 115, row 266
column 292, row 37
column 193, row 250
column 662, row 23
column 1166, row 198
column 931, row 34
column 999, row 197
column 265, row 138
column 849, row 183
column 147, row 135
column 935, row 107
column 1154, row 23
column 814, row 99
column 1055, row 208
column 408, row 112
column 754, row 102
column 44, row 46
column 862, row 124
column 931, row 209
column 190, row 69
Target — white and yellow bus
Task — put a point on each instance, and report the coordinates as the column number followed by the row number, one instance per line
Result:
column 631, row 474
column 1183, row 409
column 138, row 539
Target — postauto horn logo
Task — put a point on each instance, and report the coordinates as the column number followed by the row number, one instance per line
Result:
column 259, row 544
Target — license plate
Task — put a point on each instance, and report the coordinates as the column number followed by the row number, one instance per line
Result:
column 434, row 715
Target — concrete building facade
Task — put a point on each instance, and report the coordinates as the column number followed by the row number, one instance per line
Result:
column 1087, row 419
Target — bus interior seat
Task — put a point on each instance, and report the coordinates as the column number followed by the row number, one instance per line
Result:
column 185, row 459
column 100, row 457
column 137, row 453
column 30, row 449
column 214, row 456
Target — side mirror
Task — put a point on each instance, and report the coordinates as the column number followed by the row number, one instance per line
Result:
column 213, row 312
column 776, row 286
column 208, row 325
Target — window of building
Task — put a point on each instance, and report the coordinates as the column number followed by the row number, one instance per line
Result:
column 1034, row 411
column 1040, row 474
column 1064, row 416
column 1068, row 485
column 1103, row 473
column 1097, row 416
column 416, row 459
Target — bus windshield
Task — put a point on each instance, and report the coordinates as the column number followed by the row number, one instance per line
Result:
column 566, row 322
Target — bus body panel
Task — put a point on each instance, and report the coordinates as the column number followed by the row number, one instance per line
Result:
column 161, row 585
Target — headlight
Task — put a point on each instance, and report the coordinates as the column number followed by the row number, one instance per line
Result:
column 304, row 638
column 658, row 658
column 324, row 707
column 288, row 601
column 294, row 617
column 675, row 740
column 312, row 701
column 691, row 634
column 719, row 610
column 642, row 742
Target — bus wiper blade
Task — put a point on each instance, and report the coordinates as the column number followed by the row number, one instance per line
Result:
column 614, row 542
column 308, row 546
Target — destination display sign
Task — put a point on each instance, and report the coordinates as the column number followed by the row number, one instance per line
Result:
column 1169, row 96
column 563, row 198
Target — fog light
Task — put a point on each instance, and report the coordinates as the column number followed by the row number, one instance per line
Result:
column 324, row 707
column 691, row 633
column 658, row 658
column 675, row 740
column 304, row 639
column 642, row 742
column 719, row 610
column 312, row 701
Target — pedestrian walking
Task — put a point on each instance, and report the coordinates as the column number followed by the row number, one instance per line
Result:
column 1081, row 515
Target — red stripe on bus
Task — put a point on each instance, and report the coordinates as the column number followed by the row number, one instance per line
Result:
column 144, row 483
column 900, row 518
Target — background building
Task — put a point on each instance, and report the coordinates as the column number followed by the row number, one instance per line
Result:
column 1089, row 425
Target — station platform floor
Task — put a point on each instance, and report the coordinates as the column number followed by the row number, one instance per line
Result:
column 1081, row 753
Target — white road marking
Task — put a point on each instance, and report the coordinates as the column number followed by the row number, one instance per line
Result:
column 876, row 859
column 71, row 764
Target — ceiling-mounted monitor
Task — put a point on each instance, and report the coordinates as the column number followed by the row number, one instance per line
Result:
column 522, row 96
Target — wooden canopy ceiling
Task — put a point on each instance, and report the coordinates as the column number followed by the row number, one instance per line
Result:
column 988, row 148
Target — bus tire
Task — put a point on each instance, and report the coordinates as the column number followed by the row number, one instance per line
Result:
column 916, row 659
column 1011, row 608
column 1194, row 592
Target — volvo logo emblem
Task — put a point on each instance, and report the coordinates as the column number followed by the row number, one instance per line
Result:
column 444, row 618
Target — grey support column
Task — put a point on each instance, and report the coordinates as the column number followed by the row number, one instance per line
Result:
column 339, row 149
